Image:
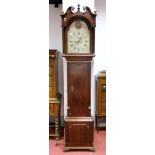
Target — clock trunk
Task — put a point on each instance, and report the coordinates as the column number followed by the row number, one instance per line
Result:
column 79, row 89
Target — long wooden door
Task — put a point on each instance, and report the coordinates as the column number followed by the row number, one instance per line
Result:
column 79, row 89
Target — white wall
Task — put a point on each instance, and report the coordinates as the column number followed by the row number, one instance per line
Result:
column 55, row 38
column 68, row 3
column 100, row 36
column 55, row 31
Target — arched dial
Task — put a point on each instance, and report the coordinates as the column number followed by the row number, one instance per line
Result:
column 78, row 37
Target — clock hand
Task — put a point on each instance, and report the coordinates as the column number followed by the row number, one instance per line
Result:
column 80, row 40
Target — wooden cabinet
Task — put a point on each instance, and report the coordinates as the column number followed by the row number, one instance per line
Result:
column 53, row 73
column 100, row 99
column 54, row 102
column 53, row 83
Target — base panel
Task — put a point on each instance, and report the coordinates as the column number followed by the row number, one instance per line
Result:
column 79, row 133
column 79, row 148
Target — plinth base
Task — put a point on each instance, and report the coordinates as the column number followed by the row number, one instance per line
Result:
column 79, row 133
column 92, row 149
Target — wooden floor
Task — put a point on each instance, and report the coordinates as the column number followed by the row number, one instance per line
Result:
column 99, row 142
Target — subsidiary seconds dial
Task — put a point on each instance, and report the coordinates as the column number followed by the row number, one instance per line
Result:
column 78, row 38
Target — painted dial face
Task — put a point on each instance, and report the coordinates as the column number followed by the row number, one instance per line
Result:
column 78, row 37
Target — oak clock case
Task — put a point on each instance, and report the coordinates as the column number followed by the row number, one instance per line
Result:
column 78, row 31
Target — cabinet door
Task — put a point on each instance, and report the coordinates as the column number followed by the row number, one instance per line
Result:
column 78, row 88
column 52, row 92
column 101, row 97
column 53, row 109
column 79, row 134
column 103, row 101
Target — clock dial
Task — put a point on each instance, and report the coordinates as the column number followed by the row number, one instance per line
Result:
column 78, row 37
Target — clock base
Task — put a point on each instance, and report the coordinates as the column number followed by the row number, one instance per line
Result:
column 79, row 133
column 92, row 149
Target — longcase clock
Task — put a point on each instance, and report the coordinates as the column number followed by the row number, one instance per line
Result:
column 78, row 30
